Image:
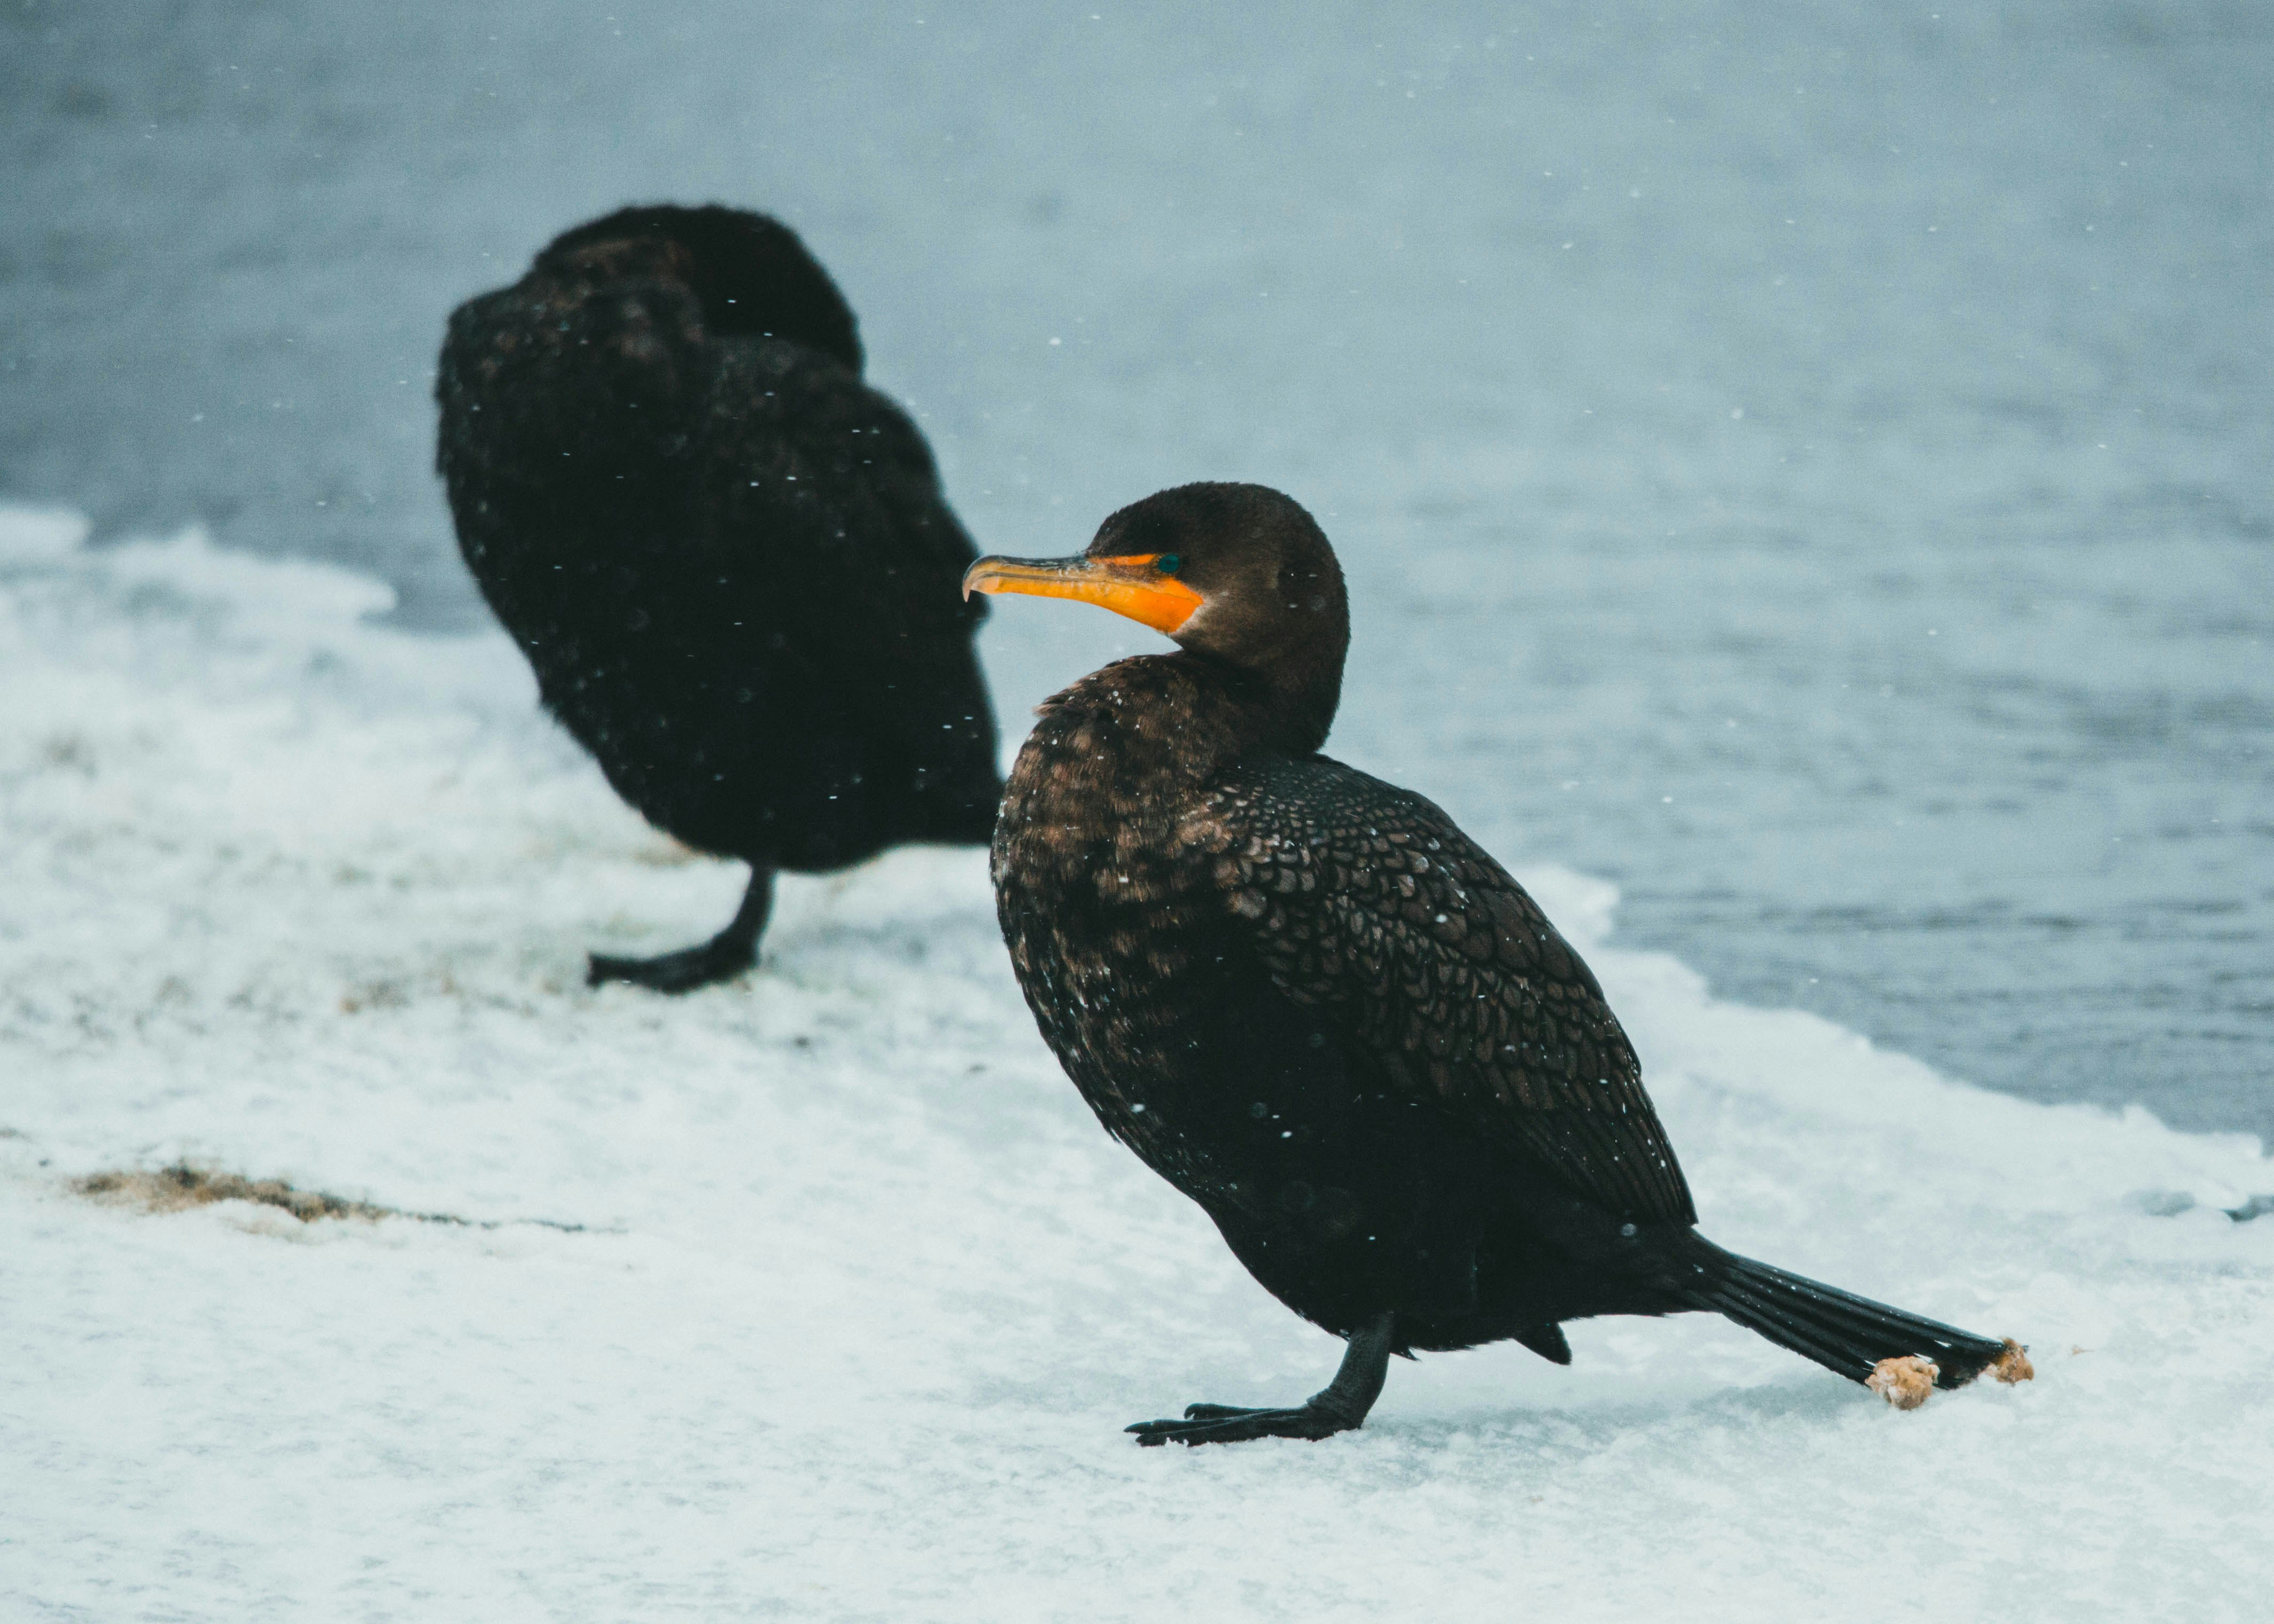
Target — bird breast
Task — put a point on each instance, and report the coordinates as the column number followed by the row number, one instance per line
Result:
column 1103, row 861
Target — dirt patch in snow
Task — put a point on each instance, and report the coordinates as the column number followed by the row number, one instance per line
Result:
column 183, row 1185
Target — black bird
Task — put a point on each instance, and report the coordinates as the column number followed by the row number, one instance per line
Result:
column 1310, row 1003
column 650, row 441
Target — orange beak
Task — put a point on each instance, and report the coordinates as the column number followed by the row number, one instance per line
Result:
column 1129, row 586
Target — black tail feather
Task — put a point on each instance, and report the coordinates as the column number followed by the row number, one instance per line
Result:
column 1846, row 1333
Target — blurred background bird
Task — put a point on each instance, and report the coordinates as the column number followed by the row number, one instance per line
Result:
column 649, row 442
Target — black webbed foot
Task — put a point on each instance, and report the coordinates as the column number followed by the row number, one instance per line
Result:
column 680, row 972
column 1222, row 1424
column 721, row 958
column 1339, row 1407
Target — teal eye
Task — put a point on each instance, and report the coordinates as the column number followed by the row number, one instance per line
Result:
column 1168, row 563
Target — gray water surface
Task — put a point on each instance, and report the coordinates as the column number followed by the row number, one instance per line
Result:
column 1808, row 463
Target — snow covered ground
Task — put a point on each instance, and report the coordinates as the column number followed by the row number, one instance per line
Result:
column 861, row 1297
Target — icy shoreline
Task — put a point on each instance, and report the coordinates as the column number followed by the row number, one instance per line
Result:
column 864, row 1297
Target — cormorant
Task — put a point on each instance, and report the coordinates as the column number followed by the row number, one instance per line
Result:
column 1313, row 1004
column 648, row 441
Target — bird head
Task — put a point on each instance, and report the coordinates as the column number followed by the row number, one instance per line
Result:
column 1240, row 574
column 750, row 272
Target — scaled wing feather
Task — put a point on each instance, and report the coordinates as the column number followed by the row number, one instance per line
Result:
column 1368, row 901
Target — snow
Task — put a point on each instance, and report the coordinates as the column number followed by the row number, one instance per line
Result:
column 862, row 1297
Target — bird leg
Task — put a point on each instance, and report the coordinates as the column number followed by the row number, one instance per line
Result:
column 727, row 954
column 1339, row 1407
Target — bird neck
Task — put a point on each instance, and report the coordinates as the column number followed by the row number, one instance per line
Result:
column 1286, row 706
column 1182, row 716
column 1284, row 679
column 1304, row 696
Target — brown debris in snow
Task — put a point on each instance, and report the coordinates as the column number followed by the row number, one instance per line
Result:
column 181, row 1186
column 1905, row 1382
column 2013, row 1366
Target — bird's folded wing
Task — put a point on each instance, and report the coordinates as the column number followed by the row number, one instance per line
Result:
column 1366, row 901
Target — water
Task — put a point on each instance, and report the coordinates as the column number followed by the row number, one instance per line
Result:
column 1805, row 463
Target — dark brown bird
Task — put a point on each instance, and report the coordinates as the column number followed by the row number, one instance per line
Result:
column 1310, row 1002
column 650, row 441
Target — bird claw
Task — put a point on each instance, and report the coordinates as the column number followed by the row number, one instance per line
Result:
column 1225, row 1424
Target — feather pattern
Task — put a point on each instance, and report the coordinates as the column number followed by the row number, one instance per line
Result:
column 1368, row 901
